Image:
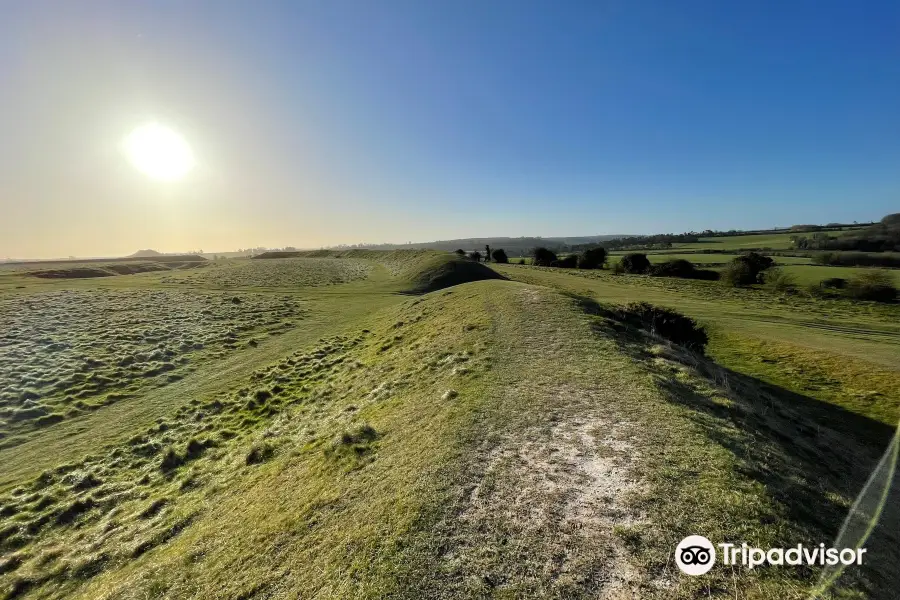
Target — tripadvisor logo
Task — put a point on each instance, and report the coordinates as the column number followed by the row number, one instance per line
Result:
column 696, row 555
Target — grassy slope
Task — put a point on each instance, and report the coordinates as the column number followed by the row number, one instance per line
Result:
column 810, row 335
column 834, row 363
column 452, row 499
column 331, row 309
column 524, row 448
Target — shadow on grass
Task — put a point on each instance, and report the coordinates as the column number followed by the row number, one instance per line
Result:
column 812, row 457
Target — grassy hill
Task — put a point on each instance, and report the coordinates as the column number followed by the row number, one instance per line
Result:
column 364, row 424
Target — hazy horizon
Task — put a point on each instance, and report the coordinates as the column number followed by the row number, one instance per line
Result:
column 318, row 124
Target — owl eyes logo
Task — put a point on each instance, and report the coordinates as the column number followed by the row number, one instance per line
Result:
column 695, row 555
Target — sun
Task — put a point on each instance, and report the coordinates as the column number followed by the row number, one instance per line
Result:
column 159, row 152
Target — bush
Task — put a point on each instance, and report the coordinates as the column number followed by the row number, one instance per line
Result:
column 567, row 262
column 635, row 263
column 618, row 269
column 757, row 262
column 666, row 323
column 707, row 275
column 499, row 256
column 746, row 269
column 875, row 285
column 779, row 280
column 738, row 274
column 593, row 258
column 460, row 252
column 834, row 283
column 683, row 269
column 674, row 268
column 476, row 256
column 543, row 257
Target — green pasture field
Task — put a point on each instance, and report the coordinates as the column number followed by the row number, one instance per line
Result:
column 405, row 424
column 802, row 269
column 707, row 259
column 813, row 274
column 772, row 241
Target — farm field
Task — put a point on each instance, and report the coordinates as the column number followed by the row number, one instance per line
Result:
column 812, row 274
column 770, row 241
column 773, row 241
column 706, row 259
column 801, row 268
column 406, row 424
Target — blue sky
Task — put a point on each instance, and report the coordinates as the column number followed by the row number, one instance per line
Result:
column 318, row 123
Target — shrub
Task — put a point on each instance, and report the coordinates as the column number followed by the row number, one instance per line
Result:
column 618, row 269
column 779, row 280
column 635, row 263
column 706, row 274
column 834, row 283
column 746, row 269
column 876, row 285
column 476, row 256
column 499, row 256
column 666, row 323
column 543, row 257
column 521, row 261
column 683, row 269
column 593, row 258
column 757, row 262
column 738, row 273
column 460, row 252
column 674, row 268
column 567, row 262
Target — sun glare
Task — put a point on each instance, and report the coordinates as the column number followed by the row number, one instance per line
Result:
column 159, row 152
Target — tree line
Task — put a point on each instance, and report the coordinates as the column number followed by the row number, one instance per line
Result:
column 883, row 236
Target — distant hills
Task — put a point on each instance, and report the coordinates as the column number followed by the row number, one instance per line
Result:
column 517, row 246
column 145, row 254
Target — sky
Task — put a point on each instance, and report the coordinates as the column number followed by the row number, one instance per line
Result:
column 324, row 122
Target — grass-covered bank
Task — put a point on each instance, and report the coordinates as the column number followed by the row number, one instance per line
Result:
column 490, row 439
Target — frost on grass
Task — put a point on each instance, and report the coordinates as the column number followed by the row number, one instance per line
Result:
column 71, row 523
column 280, row 272
column 65, row 352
